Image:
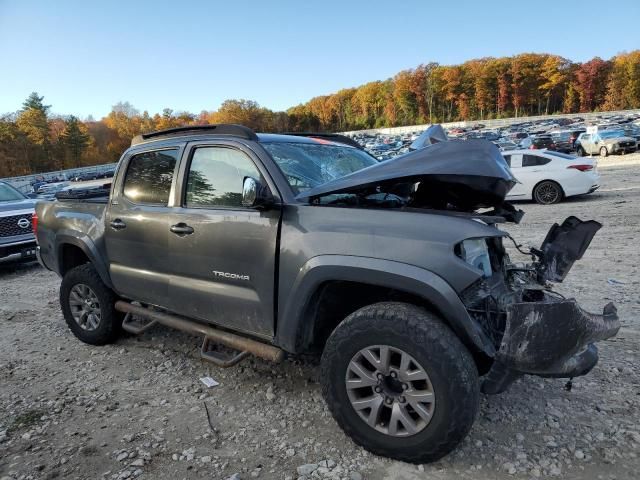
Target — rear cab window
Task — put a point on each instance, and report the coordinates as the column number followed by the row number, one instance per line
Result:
column 149, row 176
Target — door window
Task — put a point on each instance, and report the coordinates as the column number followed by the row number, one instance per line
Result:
column 149, row 176
column 534, row 161
column 507, row 158
column 216, row 176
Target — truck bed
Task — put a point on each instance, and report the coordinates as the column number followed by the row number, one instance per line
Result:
column 91, row 194
column 70, row 218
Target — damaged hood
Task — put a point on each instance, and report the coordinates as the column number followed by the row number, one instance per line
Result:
column 432, row 135
column 468, row 174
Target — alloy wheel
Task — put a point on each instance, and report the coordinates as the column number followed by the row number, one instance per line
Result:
column 85, row 307
column 390, row 390
column 547, row 193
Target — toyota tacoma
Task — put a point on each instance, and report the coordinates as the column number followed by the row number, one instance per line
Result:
column 394, row 272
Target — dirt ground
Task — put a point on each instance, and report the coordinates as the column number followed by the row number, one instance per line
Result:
column 138, row 409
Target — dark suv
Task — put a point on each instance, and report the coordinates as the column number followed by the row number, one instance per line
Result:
column 538, row 142
column 283, row 244
column 565, row 140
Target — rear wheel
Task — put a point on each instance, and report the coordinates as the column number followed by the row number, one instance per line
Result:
column 604, row 152
column 399, row 382
column 88, row 306
column 580, row 151
column 547, row 192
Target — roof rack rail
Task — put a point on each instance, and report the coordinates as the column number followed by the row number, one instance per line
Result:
column 335, row 137
column 219, row 129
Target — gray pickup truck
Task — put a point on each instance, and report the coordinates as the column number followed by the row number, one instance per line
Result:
column 17, row 241
column 395, row 272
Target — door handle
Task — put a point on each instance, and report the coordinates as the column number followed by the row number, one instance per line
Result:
column 181, row 229
column 118, row 224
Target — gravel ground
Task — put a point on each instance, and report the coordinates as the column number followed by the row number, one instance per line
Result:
column 138, row 409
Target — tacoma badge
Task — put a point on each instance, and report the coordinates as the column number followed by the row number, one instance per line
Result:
column 234, row 276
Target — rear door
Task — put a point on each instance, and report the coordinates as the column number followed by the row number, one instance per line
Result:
column 137, row 225
column 223, row 255
column 533, row 169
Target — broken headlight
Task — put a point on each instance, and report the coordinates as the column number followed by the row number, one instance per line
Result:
column 474, row 251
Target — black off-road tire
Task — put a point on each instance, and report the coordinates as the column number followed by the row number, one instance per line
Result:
column 110, row 326
column 580, row 151
column 424, row 336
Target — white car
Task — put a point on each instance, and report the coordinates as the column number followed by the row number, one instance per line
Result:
column 547, row 176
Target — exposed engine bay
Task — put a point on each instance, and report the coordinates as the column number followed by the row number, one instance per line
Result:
column 534, row 329
column 453, row 176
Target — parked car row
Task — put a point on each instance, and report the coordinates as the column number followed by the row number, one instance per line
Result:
column 546, row 165
column 561, row 134
column 46, row 184
column 81, row 177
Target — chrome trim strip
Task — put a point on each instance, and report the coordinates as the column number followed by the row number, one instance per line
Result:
column 13, row 213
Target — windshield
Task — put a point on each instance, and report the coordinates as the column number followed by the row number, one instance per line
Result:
column 612, row 134
column 307, row 165
column 9, row 194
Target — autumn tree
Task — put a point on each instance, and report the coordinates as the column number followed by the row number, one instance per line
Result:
column 33, row 123
column 623, row 86
column 126, row 122
column 591, row 83
column 75, row 138
column 244, row 112
column 553, row 77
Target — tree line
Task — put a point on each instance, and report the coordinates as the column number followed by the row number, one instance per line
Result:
column 33, row 140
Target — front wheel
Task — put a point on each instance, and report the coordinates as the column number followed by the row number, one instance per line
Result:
column 604, row 152
column 400, row 383
column 88, row 306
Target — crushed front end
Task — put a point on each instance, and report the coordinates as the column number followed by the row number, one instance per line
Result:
column 535, row 330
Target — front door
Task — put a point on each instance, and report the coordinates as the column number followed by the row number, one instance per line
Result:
column 137, row 226
column 223, row 255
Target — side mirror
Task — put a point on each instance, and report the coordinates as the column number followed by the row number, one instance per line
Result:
column 254, row 194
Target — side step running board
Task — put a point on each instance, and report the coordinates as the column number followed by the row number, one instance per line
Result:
column 243, row 344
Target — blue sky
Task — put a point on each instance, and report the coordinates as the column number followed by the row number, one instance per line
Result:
column 191, row 55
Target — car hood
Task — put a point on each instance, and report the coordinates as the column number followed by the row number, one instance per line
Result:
column 17, row 205
column 432, row 135
column 466, row 173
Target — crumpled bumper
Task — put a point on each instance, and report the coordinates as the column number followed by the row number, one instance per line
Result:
column 549, row 339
